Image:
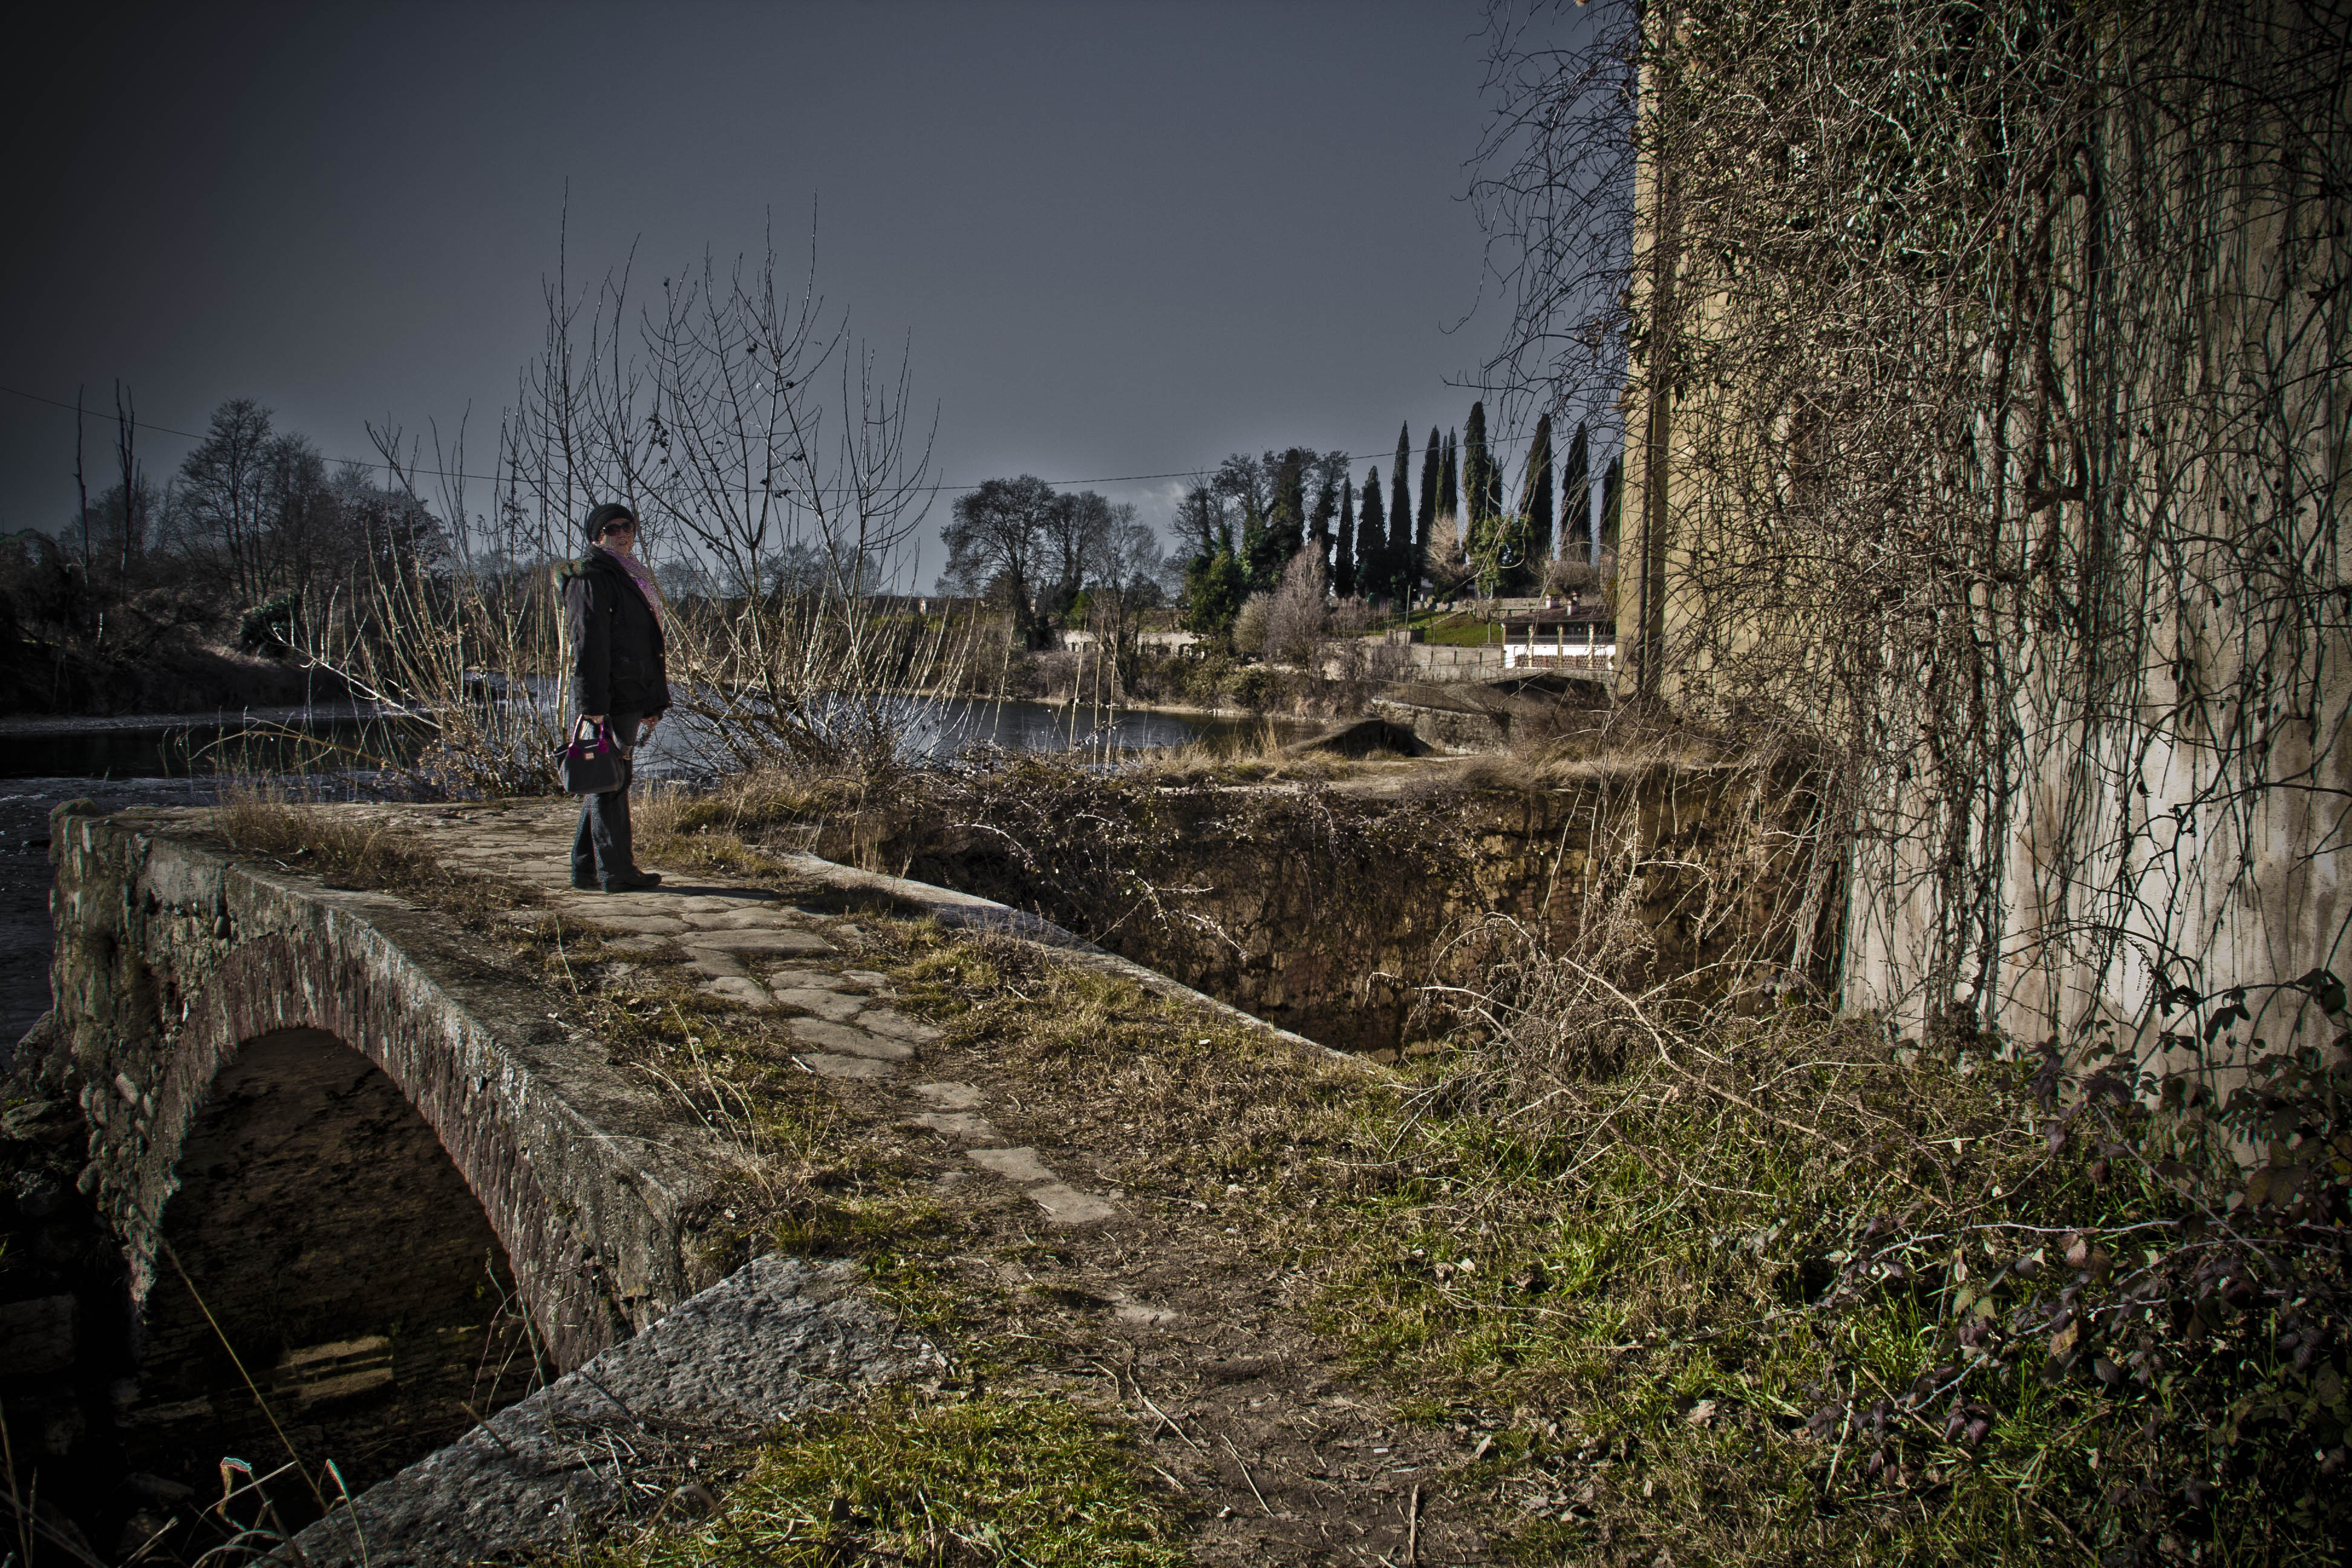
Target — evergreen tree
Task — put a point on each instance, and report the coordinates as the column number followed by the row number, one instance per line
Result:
column 1576, row 499
column 1343, row 565
column 1373, row 568
column 1428, row 515
column 1283, row 534
column 1449, row 492
column 1613, row 497
column 1400, row 527
column 1214, row 587
column 1474, row 464
column 1331, row 470
column 1403, row 567
column 1290, row 501
column 1535, row 495
column 1478, row 526
column 1246, row 485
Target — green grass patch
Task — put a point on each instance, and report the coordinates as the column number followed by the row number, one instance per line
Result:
column 1690, row 1319
column 1013, row 1477
column 1458, row 631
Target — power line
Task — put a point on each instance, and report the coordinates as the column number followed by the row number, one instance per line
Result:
column 493, row 479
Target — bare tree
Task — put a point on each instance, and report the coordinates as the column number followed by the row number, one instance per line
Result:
column 998, row 545
column 126, row 425
column 766, row 451
column 227, row 493
column 1554, row 191
column 1297, row 611
column 1078, row 539
column 1130, row 577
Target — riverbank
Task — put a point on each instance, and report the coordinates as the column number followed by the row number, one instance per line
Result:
column 143, row 662
column 1586, row 1279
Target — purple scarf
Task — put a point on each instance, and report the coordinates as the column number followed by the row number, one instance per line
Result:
column 643, row 577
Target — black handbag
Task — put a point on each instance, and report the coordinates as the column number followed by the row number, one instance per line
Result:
column 592, row 761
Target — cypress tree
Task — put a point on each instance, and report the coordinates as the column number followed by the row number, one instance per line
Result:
column 1285, row 524
column 1478, row 485
column 1343, row 565
column 1535, row 495
column 1372, row 539
column 1474, row 459
column 1428, row 515
column 1408, row 560
column 1449, row 491
column 1613, row 496
column 1327, row 475
column 1576, row 498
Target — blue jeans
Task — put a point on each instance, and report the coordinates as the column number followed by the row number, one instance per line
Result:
column 601, row 849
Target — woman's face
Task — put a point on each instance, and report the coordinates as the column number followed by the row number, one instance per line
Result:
column 620, row 538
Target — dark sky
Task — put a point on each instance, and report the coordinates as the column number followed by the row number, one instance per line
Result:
column 1119, row 238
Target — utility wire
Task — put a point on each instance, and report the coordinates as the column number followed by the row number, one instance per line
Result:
column 933, row 489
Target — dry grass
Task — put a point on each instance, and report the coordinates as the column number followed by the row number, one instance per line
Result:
column 349, row 848
column 338, row 850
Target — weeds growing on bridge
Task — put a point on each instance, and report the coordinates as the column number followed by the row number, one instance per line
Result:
column 1000, row 1478
column 334, row 846
column 355, row 848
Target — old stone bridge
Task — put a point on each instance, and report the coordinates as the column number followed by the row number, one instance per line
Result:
column 329, row 1125
column 333, row 1133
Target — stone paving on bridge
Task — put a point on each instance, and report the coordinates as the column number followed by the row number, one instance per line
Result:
column 757, row 948
column 1252, row 1421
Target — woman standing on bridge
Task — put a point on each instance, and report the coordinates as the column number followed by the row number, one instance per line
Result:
column 613, row 616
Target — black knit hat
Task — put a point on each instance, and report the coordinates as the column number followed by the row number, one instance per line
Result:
column 611, row 511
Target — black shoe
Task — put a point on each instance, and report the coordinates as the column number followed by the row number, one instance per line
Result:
column 585, row 884
column 633, row 881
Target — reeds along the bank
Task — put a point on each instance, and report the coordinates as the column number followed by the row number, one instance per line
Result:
column 1259, row 746
column 814, row 680
column 799, row 681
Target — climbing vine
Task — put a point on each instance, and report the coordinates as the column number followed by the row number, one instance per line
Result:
column 1987, row 368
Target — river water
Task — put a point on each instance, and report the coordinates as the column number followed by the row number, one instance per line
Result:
column 180, row 759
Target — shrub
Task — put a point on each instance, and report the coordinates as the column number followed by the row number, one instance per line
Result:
column 1294, row 614
column 1249, row 625
column 1255, row 687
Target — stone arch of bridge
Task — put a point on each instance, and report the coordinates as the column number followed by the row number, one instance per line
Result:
column 276, row 1003
column 326, row 1271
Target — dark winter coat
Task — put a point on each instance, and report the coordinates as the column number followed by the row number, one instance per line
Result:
column 616, row 640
